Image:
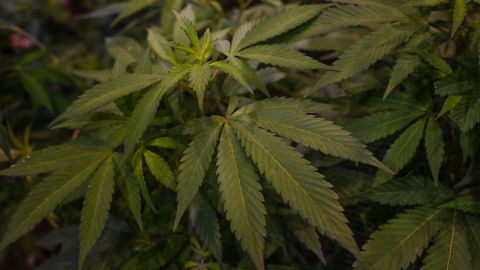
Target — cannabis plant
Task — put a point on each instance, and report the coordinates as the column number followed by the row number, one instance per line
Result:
column 213, row 129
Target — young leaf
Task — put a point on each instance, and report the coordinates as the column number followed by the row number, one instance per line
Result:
column 279, row 55
column 365, row 53
column 380, row 125
column 450, row 248
column 278, row 24
column 160, row 169
column 297, row 182
column 106, row 92
column 96, row 207
column 412, row 190
column 402, row 150
column 241, row 193
column 434, row 147
column 397, row 244
column 404, row 66
column 205, row 221
column 147, row 107
column 316, row 133
column 199, row 78
column 459, row 13
column 194, row 165
column 46, row 196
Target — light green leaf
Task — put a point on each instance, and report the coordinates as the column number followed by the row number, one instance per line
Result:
column 404, row 66
column 250, row 74
column 160, row 45
column 96, row 207
column 411, row 190
column 240, row 34
column 241, row 193
column 450, row 103
column 46, row 196
column 279, row 55
column 399, row 242
column 434, row 146
column 281, row 104
column 133, row 7
column 233, row 71
column 380, row 125
column 297, row 182
column 316, row 133
column 402, row 150
column 450, row 249
column 194, row 165
column 278, row 24
column 199, row 79
column 163, row 142
column 160, row 169
column 146, row 108
column 459, row 13
column 106, row 92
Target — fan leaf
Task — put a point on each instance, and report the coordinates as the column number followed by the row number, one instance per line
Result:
column 316, row 133
column 397, row 244
column 106, row 92
column 241, row 193
column 96, row 207
column 304, row 189
column 194, row 165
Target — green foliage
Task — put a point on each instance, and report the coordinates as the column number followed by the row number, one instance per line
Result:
column 176, row 124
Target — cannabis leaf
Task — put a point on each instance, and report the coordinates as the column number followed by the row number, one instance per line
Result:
column 380, row 125
column 281, row 56
column 450, row 248
column 194, row 165
column 410, row 191
column 48, row 194
column 434, row 146
column 96, row 207
column 275, row 25
column 365, row 53
column 241, row 194
column 402, row 150
column 106, row 92
column 397, row 244
column 147, row 106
